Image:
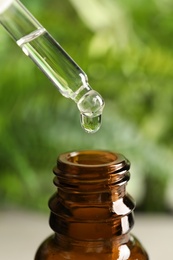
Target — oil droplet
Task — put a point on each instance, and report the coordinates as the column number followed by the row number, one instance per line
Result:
column 91, row 106
column 90, row 124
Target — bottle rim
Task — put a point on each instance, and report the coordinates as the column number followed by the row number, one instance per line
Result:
column 93, row 159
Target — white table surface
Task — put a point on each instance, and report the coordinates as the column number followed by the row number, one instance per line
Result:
column 21, row 232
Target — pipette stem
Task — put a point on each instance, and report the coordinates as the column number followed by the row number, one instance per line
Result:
column 50, row 57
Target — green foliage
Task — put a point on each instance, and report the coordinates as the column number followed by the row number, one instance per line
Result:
column 125, row 47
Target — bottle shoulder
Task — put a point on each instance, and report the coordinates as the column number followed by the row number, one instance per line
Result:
column 51, row 249
column 137, row 250
column 47, row 250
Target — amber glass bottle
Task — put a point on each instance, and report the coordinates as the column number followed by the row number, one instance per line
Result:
column 91, row 213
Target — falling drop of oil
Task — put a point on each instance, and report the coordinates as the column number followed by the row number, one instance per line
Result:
column 90, row 124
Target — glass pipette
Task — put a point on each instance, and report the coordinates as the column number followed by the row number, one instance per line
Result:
column 49, row 56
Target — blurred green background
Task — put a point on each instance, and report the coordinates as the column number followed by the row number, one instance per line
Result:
column 125, row 47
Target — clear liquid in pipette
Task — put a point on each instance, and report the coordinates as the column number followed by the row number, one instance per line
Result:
column 46, row 54
column 90, row 105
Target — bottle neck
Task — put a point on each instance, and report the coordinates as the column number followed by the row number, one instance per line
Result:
column 91, row 203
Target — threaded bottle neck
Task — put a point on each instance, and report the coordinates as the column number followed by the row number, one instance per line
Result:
column 91, row 202
column 90, row 171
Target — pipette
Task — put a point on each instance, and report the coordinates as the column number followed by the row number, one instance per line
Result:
column 57, row 65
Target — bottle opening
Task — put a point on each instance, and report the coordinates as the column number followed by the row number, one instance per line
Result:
column 92, row 162
column 97, row 158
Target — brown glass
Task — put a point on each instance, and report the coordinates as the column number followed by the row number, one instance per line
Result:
column 91, row 213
